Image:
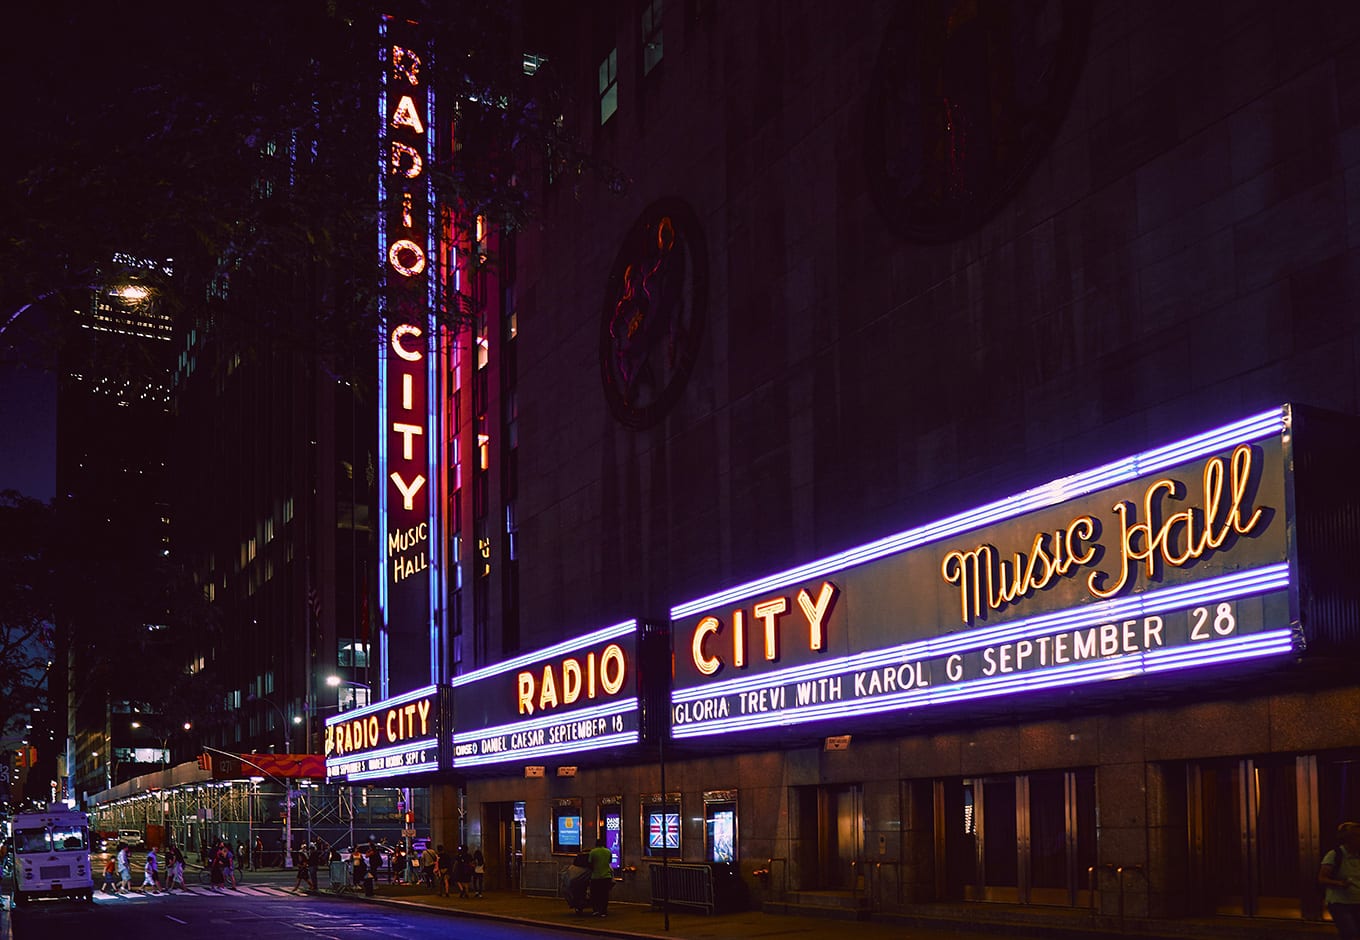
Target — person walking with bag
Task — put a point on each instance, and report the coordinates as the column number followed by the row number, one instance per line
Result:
column 151, row 872
column 1340, row 876
column 478, row 872
column 124, row 868
column 174, row 870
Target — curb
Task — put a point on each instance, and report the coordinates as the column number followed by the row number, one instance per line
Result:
column 522, row 920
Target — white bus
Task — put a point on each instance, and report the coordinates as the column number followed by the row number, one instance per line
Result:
column 51, row 854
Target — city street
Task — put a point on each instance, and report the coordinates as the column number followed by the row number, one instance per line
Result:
column 260, row 909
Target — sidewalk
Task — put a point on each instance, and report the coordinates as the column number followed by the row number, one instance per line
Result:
column 628, row 919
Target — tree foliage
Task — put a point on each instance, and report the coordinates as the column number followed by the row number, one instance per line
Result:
column 229, row 140
column 27, row 615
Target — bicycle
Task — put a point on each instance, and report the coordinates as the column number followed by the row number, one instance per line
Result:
column 205, row 877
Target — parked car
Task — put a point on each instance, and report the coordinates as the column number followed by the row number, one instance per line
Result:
column 133, row 838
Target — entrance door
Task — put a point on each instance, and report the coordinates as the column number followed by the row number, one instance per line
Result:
column 503, row 845
column 1027, row 839
column 828, row 830
column 842, row 841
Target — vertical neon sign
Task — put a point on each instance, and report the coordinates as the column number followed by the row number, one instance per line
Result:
column 408, row 368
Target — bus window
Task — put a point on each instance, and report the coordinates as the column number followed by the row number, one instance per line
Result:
column 68, row 837
column 30, row 840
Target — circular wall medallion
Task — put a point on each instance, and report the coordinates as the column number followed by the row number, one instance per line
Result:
column 965, row 98
column 654, row 311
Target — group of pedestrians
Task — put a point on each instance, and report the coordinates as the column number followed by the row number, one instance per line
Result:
column 308, row 861
column 118, row 871
column 446, row 870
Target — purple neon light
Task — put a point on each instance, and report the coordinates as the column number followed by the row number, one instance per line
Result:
column 1059, row 491
column 403, row 748
column 549, row 652
column 1272, row 643
column 386, row 703
column 1240, row 584
column 548, row 750
column 621, row 706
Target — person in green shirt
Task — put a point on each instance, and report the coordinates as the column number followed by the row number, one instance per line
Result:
column 601, row 877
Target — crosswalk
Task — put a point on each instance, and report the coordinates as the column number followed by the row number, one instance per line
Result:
column 197, row 891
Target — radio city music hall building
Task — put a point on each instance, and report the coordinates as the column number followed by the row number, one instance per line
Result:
column 927, row 485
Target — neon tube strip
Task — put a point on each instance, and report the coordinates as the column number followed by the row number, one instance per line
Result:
column 433, row 386
column 382, row 351
column 623, row 706
column 404, row 748
column 1273, row 643
column 568, row 646
column 549, row 750
column 402, row 699
column 547, row 721
column 1241, row 584
column 1059, row 491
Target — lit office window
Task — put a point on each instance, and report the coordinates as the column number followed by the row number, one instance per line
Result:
column 651, row 35
column 609, row 85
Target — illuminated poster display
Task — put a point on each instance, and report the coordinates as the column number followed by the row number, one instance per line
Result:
column 392, row 738
column 408, row 372
column 1175, row 558
column 576, row 696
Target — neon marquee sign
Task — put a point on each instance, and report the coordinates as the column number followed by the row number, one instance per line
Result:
column 394, row 737
column 576, row 696
column 408, row 451
column 1174, row 558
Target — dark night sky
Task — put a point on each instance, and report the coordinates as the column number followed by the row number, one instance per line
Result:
column 28, row 430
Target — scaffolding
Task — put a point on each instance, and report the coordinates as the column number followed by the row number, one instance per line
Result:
column 184, row 806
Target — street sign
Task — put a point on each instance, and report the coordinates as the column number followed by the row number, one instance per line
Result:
column 408, row 833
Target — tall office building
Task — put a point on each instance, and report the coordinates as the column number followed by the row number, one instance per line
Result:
column 113, row 434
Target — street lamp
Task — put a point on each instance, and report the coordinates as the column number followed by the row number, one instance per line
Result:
column 336, row 682
column 287, row 784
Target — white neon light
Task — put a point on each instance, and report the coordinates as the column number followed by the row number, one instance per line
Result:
column 548, row 750
column 550, row 652
column 405, row 747
column 1256, row 646
column 384, row 705
column 533, row 724
column 1059, row 491
column 1240, row 584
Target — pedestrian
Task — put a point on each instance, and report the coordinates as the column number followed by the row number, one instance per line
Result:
column 1340, row 875
column 429, row 861
column 110, row 885
column 462, row 871
column 363, row 877
column 319, row 850
column 151, row 871
column 443, row 870
column 174, row 870
column 304, row 870
column 478, row 872
column 216, row 861
column 124, row 868
column 375, row 861
column 242, row 859
column 259, row 853
column 601, row 877
column 228, row 865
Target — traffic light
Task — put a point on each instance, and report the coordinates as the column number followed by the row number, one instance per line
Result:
column 205, row 761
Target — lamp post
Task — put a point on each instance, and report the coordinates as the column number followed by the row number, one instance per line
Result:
column 287, row 784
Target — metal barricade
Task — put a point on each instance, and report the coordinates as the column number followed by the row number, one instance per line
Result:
column 540, row 878
column 683, row 885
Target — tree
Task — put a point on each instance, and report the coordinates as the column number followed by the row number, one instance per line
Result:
column 157, row 133
column 27, row 595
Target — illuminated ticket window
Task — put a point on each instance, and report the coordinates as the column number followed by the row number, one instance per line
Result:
column 661, row 825
column 611, row 828
column 566, row 827
column 720, row 826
